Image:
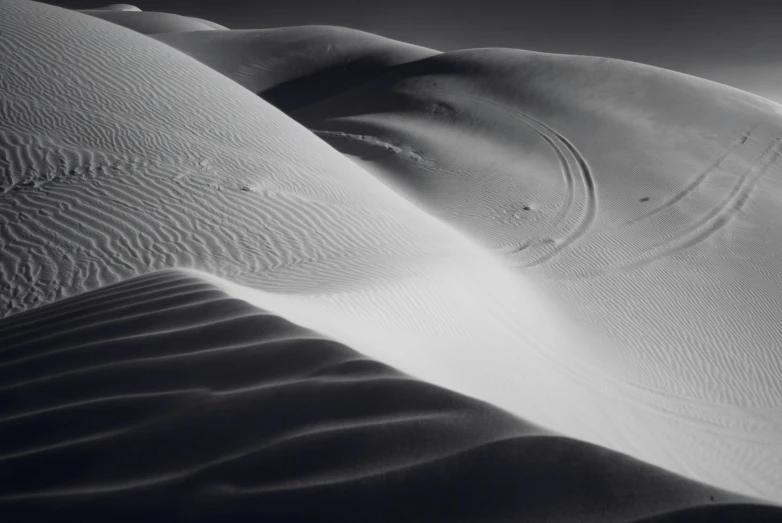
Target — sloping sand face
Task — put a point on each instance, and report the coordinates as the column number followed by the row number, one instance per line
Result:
column 122, row 156
column 164, row 394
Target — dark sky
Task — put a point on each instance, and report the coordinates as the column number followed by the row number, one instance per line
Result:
column 736, row 42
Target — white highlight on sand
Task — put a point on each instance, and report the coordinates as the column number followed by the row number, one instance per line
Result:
column 121, row 7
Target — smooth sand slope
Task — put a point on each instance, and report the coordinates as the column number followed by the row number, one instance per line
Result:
column 121, row 156
column 164, row 399
column 641, row 200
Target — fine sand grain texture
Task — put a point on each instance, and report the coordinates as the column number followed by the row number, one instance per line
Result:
column 586, row 243
column 164, row 399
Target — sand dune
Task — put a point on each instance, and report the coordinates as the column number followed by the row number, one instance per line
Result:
column 613, row 184
column 146, row 159
column 164, row 394
column 120, row 7
column 487, row 233
column 619, row 150
column 609, row 183
column 294, row 67
column 150, row 22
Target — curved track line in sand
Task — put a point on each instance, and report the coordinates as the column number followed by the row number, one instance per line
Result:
column 696, row 182
column 572, row 161
column 579, row 204
column 706, row 225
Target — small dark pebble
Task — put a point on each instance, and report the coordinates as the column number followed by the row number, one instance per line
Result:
column 644, row 199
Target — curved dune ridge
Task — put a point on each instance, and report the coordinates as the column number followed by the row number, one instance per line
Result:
column 120, row 7
column 452, row 244
column 283, row 65
column 164, row 394
column 150, row 22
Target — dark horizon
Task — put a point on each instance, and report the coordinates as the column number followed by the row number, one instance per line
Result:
column 719, row 40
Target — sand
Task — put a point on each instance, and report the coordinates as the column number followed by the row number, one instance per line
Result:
column 584, row 243
column 164, row 394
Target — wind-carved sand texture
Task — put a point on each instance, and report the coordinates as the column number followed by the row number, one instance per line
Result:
column 585, row 243
column 164, row 394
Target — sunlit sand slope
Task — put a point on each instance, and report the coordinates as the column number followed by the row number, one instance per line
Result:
column 162, row 398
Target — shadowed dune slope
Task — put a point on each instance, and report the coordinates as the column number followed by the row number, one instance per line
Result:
column 164, row 394
column 296, row 66
column 151, row 22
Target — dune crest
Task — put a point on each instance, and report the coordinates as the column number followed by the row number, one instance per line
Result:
column 150, row 22
column 294, row 67
column 121, row 7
